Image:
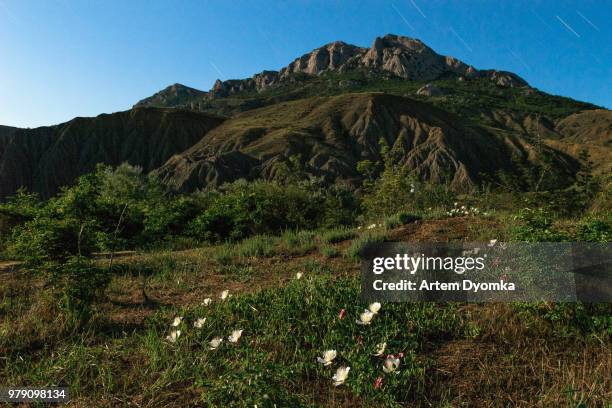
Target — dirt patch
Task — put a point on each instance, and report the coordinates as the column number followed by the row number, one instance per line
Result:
column 445, row 230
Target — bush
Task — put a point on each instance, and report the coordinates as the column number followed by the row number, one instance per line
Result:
column 80, row 283
column 244, row 209
column 595, row 231
column 397, row 189
column 45, row 240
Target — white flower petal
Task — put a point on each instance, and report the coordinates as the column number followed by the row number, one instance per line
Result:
column 341, row 375
column 374, row 307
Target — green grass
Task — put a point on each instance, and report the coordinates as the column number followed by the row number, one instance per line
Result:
column 339, row 234
column 329, row 251
column 291, row 322
column 296, row 242
column 256, row 246
column 365, row 239
column 284, row 331
column 400, row 218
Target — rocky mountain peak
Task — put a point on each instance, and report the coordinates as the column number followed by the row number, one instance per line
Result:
column 390, row 55
column 170, row 95
column 331, row 56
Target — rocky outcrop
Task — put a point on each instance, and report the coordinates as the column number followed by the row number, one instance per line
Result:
column 47, row 158
column 429, row 90
column 330, row 57
column 503, row 78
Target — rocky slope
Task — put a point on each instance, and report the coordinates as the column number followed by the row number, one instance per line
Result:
column 331, row 134
column 47, row 158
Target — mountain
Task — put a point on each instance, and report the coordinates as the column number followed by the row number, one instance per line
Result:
column 47, row 158
column 446, row 120
column 332, row 134
column 6, row 131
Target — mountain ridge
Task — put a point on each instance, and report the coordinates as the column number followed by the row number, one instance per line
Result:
column 329, row 108
column 403, row 57
column 46, row 158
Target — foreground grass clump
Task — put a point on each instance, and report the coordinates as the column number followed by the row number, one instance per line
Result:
column 259, row 245
column 400, row 218
column 296, row 242
column 338, row 235
column 367, row 238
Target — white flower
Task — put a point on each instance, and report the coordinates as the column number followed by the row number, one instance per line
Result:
column 380, row 349
column 374, row 307
column 174, row 335
column 391, row 364
column 299, row 275
column 492, row 242
column 328, row 357
column 365, row 318
column 199, row 323
column 455, row 204
column 235, row 336
column 371, row 226
column 207, row 302
column 341, row 375
column 177, row 321
column 224, row 295
column 215, row 343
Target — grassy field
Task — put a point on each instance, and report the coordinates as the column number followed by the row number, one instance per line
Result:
column 294, row 296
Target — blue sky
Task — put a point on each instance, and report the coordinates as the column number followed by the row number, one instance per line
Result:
column 60, row 59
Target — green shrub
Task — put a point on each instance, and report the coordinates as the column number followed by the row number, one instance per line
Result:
column 243, row 209
column 595, row 231
column 45, row 240
column 536, row 226
column 80, row 283
column 396, row 189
